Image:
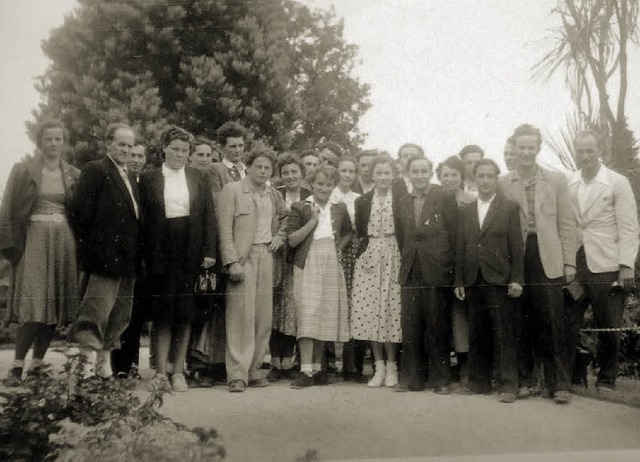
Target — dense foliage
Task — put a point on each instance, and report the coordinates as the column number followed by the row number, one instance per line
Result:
column 277, row 66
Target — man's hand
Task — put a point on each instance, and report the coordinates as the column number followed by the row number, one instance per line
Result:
column 459, row 293
column 275, row 244
column 236, row 272
column 208, row 262
column 569, row 273
column 625, row 277
column 514, row 290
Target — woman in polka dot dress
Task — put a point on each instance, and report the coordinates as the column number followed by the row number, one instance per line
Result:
column 375, row 314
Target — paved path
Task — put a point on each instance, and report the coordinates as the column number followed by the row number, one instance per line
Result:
column 349, row 421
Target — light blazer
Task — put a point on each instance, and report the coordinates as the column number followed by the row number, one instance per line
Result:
column 432, row 241
column 237, row 217
column 105, row 221
column 300, row 214
column 555, row 223
column 608, row 227
column 220, row 176
column 202, row 222
column 496, row 249
column 20, row 194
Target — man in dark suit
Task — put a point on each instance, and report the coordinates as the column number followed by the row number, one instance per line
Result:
column 426, row 223
column 105, row 218
column 489, row 275
column 231, row 137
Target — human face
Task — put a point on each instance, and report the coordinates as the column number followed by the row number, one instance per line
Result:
column 119, row 148
column 526, row 149
column 310, row 164
column 346, row 174
column 404, row 154
column 234, row 148
column 450, row 178
column 420, row 174
column 486, row 181
column 260, row 171
column 322, row 188
column 327, row 157
column 176, row 154
column 291, row 176
column 382, row 176
column 364, row 167
column 470, row 160
column 201, row 157
column 137, row 160
column 51, row 142
column 588, row 155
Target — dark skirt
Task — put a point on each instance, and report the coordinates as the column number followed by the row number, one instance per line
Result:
column 172, row 298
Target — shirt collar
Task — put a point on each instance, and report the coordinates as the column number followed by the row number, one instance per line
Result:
column 120, row 168
column 229, row 164
column 311, row 200
column 601, row 177
column 489, row 201
column 166, row 171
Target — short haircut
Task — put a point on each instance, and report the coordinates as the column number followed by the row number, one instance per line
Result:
column 415, row 157
column 491, row 162
column 308, row 152
column 333, row 147
column 289, row 158
column 384, row 159
column 453, row 162
column 261, row 152
column 173, row 133
column 526, row 130
column 329, row 171
column 113, row 128
column 140, row 143
column 229, row 130
column 47, row 124
column 600, row 141
column 200, row 140
column 348, row 159
column 469, row 148
column 411, row 145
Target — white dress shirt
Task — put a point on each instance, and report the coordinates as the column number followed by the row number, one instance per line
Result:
column 483, row 208
column 585, row 188
column 323, row 229
column 240, row 166
column 176, row 193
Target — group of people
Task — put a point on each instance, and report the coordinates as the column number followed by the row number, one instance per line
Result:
column 314, row 248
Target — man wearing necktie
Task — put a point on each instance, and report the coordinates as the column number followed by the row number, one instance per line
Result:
column 605, row 211
column 231, row 137
column 105, row 217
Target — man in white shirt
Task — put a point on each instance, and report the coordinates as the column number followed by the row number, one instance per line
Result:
column 231, row 137
column 489, row 274
column 605, row 211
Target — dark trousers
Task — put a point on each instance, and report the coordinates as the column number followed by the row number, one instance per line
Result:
column 129, row 353
column 608, row 308
column 493, row 318
column 541, row 328
column 425, row 333
column 353, row 354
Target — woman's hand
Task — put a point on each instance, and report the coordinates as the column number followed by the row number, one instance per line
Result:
column 275, row 244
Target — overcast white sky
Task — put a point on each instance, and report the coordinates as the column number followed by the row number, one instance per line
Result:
column 442, row 73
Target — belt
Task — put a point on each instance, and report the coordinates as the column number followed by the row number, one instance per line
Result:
column 50, row 217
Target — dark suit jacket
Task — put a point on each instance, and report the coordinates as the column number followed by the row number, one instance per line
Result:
column 433, row 241
column 301, row 213
column 362, row 215
column 202, row 220
column 496, row 249
column 220, row 176
column 105, row 222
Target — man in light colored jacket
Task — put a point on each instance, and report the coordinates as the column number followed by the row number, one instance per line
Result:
column 605, row 211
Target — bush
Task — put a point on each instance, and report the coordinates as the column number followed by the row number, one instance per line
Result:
column 72, row 418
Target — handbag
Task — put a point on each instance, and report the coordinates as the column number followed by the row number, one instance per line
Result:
column 206, row 282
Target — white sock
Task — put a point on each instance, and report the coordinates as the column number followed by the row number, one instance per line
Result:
column 307, row 369
column 18, row 363
column 317, row 367
column 275, row 362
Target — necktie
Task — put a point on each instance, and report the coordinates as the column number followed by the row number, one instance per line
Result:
column 235, row 173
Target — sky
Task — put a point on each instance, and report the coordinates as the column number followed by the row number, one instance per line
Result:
column 442, row 74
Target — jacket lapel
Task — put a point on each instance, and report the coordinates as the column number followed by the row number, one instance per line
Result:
column 597, row 190
column 492, row 213
column 115, row 173
column 157, row 186
column 35, row 171
column 192, row 186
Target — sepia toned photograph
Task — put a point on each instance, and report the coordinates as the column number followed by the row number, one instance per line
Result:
column 320, row 230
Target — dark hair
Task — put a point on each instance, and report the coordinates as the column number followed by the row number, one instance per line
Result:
column 526, row 130
column 173, row 133
column 328, row 171
column 411, row 145
column 288, row 158
column 113, row 128
column 262, row 152
column 368, row 153
column 308, row 152
column 333, row 147
column 384, row 159
column 469, row 148
column 415, row 157
column 200, row 140
column 486, row 162
column 229, row 130
column 600, row 141
column 453, row 162
column 50, row 123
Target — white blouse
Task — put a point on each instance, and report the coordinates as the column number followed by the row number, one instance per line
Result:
column 176, row 193
column 348, row 199
column 323, row 229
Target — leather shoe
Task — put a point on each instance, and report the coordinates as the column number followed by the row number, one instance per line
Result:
column 302, row 381
column 236, row 386
column 259, row 383
column 523, row 392
column 507, row 397
column 443, row 390
column 321, row 378
column 562, row 397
